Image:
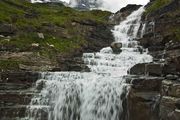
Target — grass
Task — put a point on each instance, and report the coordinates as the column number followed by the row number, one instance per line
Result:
column 9, row 65
column 25, row 15
column 30, row 19
column 157, row 4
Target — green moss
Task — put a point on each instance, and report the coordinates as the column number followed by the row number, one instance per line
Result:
column 9, row 65
column 157, row 5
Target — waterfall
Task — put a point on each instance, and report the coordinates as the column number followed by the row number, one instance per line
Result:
column 95, row 95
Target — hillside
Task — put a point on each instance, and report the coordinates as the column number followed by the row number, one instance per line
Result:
column 37, row 36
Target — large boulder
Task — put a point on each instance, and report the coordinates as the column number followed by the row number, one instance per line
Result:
column 138, row 69
column 116, row 47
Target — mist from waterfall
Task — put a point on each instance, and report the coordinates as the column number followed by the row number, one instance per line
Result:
column 95, row 95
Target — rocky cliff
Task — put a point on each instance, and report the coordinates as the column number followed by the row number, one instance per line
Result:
column 155, row 90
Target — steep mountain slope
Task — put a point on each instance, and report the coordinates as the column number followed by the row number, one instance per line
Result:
column 42, row 36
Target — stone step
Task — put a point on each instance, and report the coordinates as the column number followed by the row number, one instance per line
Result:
column 14, row 86
column 145, row 83
column 12, row 98
column 12, row 112
column 19, row 77
column 151, row 69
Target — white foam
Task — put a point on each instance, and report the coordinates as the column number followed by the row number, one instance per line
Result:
column 94, row 95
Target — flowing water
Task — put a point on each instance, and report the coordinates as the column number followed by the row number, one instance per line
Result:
column 95, row 95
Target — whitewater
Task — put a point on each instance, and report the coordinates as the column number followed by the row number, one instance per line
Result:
column 95, row 95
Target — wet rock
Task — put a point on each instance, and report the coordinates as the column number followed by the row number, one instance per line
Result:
column 15, row 93
column 147, row 83
column 169, row 68
column 123, row 13
column 138, row 69
column 171, row 88
column 116, row 47
column 169, row 108
column 40, row 84
column 18, row 77
column 172, row 77
column 154, row 69
column 143, row 101
column 9, row 113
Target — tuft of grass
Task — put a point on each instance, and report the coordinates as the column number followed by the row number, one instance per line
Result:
column 157, row 5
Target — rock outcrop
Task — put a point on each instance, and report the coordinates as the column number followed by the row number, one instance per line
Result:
column 155, row 87
column 16, row 93
column 123, row 13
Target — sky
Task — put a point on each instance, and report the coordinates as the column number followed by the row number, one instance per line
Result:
column 115, row 5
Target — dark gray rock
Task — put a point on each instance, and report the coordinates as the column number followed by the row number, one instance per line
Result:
column 147, row 83
column 123, row 13
column 154, row 69
column 16, row 93
column 116, row 47
column 138, row 69
column 172, row 77
column 171, row 88
column 169, row 109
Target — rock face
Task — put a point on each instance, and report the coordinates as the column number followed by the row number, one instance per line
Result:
column 143, row 97
column 155, row 87
column 123, row 13
column 15, row 93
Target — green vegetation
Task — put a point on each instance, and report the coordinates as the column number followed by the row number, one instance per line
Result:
column 23, row 13
column 40, row 17
column 53, row 20
column 156, row 5
column 9, row 65
column 176, row 32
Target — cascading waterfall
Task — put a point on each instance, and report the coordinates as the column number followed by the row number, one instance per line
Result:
column 95, row 95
